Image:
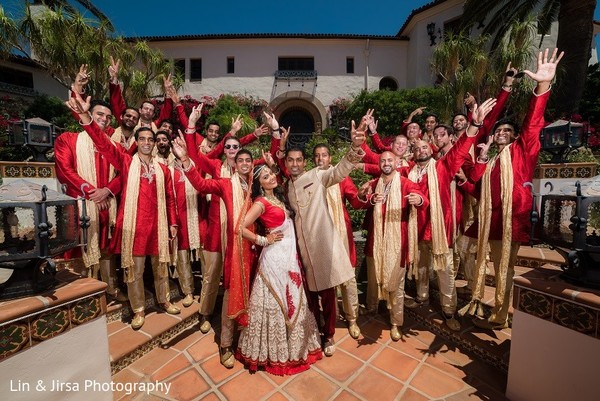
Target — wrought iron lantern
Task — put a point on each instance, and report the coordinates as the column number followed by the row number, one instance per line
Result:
column 562, row 136
column 35, row 225
column 571, row 225
column 36, row 134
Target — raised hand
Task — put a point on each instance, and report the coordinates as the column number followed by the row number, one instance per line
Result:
column 268, row 158
column 80, row 106
column 546, row 68
column 195, row 115
column 480, row 111
column 236, row 124
column 260, row 131
column 510, row 75
column 168, row 85
column 179, row 148
column 357, row 135
column 485, row 147
column 113, row 70
column 366, row 120
column 271, row 120
column 285, row 133
column 81, row 79
column 364, row 190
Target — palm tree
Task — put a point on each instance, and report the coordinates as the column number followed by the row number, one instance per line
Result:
column 575, row 31
column 87, row 5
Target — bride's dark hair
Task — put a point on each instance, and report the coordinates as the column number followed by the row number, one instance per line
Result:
column 277, row 191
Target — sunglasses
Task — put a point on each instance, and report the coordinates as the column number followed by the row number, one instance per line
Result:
column 232, row 147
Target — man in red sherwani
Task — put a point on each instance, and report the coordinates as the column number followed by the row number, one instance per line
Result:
column 86, row 172
column 234, row 192
column 147, row 109
column 214, row 245
column 390, row 201
column 146, row 215
column 505, row 204
column 436, row 222
column 188, row 233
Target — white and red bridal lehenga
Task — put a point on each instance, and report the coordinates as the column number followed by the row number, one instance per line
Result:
column 282, row 335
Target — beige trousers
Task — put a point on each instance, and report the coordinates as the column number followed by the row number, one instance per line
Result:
column 106, row 270
column 135, row 289
column 465, row 258
column 445, row 278
column 211, row 278
column 395, row 299
column 227, row 324
column 184, row 272
column 349, row 292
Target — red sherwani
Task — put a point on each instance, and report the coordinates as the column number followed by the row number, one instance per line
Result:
column 446, row 169
column 146, row 226
column 221, row 189
column 407, row 186
column 183, row 241
column 65, row 149
column 118, row 105
column 524, row 153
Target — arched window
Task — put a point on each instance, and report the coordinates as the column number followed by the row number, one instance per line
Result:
column 388, row 83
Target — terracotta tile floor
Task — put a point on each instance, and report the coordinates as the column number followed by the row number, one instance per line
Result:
column 421, row 366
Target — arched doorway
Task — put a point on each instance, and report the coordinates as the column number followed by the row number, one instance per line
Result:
column 388, row 83
column 301, row 123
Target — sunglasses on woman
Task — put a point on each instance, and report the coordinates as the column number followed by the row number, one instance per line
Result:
column 232, row 146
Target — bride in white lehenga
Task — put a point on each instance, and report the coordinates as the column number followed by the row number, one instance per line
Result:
column 282, row 335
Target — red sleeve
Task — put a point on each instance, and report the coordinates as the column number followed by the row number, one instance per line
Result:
column 183, row 118
column 247, row 139
column 370, row 156
column 117, row 102
column 218, row 150
column 282, row 168
column 372, row 169
column 492, row 117
column 457, row 154
column 65, row 161
column 378, row 144
column 350, row 193
column 165, row 111
column 114, row 185
column 204, row 186
column 410, row 187
column 170, row 197
column 107, row 147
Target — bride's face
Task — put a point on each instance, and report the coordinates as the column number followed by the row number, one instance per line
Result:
column 267, row 179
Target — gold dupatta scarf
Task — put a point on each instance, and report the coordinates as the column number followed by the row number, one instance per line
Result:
column 118, row 137
column 485, row 216
column 130, row 217
column 439, row 240
column 86, row 168
column 387, row 238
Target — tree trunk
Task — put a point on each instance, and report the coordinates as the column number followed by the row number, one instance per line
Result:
column 575, row 31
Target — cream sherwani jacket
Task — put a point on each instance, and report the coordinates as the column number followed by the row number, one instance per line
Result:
column 323, row 253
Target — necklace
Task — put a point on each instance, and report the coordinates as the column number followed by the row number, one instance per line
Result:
column 274, row 201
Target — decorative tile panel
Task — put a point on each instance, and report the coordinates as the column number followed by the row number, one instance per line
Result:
column 13, row 338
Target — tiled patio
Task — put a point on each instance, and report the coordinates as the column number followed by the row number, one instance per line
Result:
column 421, row 366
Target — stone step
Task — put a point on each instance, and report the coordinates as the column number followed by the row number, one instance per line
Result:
column 127, row 345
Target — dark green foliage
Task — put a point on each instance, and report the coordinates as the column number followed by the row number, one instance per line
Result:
column 392, row 107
